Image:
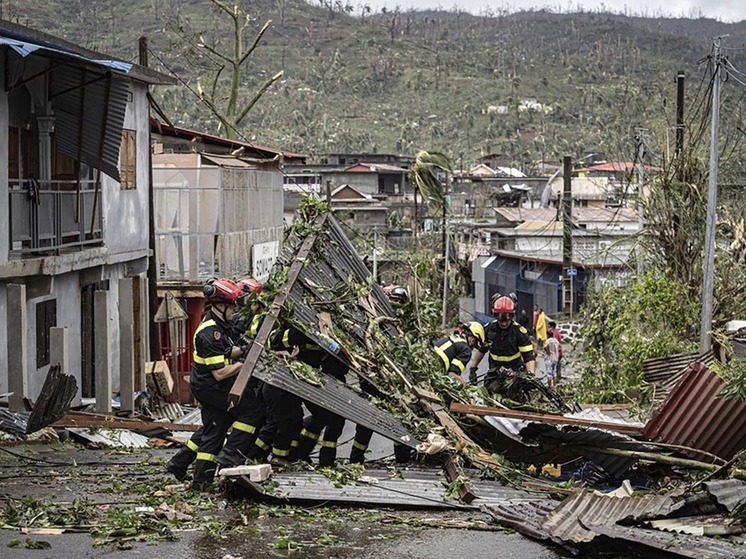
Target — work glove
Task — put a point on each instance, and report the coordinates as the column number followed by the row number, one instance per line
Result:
column 473, row 376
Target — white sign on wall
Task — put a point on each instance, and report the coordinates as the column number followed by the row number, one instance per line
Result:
column 263, row 256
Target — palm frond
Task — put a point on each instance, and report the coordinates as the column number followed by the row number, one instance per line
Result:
column 428, row 167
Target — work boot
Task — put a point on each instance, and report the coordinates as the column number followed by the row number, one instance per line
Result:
column 279, row 462
column 304, row 449
column 227, row 458
column 204, row 473
column 402, row 453
column 180, row 462
column 327, row 456
column 357, row 455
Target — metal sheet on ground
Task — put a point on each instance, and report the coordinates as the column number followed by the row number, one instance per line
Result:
column 414, row 489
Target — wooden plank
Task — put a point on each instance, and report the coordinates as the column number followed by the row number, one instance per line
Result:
column 103, row 421
column 455, row 472
column 630, row 430
column 270, row 318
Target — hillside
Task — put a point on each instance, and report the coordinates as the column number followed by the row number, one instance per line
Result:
column 399, row 82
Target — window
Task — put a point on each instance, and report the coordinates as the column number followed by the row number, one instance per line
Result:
column 46, row 318
column 128, row 160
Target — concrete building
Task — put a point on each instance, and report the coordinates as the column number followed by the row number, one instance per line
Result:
column 217, row 214
column 74, row 180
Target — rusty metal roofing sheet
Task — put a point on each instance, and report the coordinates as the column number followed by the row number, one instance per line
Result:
column 727, row 493
column 693, row 415
column 681, row 545
column 577, row 516
column 665, row 372
column 415, row 488
column 336, row 397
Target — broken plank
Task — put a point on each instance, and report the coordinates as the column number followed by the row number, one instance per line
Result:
column 626, row 429
column 101, row 421
column 455, row 473
column 271, row 318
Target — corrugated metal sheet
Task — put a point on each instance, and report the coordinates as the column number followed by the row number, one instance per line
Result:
column 111, row 438
column 414, row 489
column 704, row 525
column 693, row 415
column 14, row 423
column 577, row 516
column 665, row 372
column 524, row 516
column 336, row 397
column 681, row 545
column 54, row 399
column 727, row 493
column 89, row 110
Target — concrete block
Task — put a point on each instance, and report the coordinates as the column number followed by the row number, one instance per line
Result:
column 158, row 378
column 256, row 472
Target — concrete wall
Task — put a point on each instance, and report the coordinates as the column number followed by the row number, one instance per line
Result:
column 125, row 212
column 125, row 217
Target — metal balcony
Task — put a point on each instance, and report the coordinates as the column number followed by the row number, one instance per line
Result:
column 53, row 217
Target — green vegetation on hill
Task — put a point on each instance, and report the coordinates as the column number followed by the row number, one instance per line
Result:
column 436, row 80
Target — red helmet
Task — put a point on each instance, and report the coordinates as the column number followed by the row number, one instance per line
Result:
column 396, row 294
column 222, row 291
column 250, row 286
column 503, row 305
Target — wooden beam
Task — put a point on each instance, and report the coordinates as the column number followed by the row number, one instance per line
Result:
column 455, row 472
column 103, row 421
column 270, row 318
column 631, row 430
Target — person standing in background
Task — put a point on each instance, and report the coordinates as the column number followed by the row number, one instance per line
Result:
column 541, row 329
column 557, row 335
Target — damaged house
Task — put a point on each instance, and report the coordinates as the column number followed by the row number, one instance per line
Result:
column 74, row 249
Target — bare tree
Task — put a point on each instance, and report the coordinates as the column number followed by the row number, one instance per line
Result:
column 229, row 113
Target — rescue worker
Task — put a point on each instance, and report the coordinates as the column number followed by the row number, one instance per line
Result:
column 398, row 297
column 321, row 419
column 507, row 341
column 396, row 294
column 455, row 350
column 245, row 326
column 214, row 368
column 284, row 419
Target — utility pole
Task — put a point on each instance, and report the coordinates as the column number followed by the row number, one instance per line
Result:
column 640, row 138
column 708, row 282
column 154, row 343
column 446, row 258
column 679, row 123
column 567, row 267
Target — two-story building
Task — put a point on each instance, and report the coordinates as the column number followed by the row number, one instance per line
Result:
column 74, row 246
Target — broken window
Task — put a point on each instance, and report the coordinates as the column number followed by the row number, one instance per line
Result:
column 46, row 318
column 128, row 160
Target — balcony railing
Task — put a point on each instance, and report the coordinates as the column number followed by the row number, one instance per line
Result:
column 50, row 217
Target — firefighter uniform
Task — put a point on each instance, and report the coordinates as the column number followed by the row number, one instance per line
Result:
column 509, row 347
column 321, row 419
column 213, row 343
column 455, row 353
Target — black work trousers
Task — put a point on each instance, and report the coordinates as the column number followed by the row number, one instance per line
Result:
column 282, row 425
column 246, row 418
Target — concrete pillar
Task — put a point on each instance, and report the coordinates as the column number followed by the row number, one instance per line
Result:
column 59, row 343
column 101, row 351
column 126, row 344
column 17, row 346
column 45, row 125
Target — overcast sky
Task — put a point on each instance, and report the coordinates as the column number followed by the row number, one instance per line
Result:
column 724, row 10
